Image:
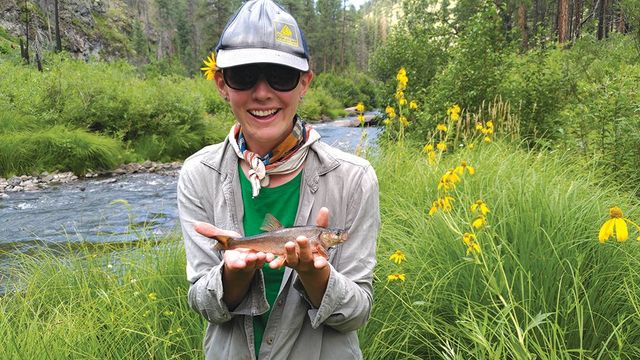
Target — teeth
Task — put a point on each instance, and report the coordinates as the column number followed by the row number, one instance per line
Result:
column 263, row 113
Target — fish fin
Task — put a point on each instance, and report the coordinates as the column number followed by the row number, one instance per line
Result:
column 270, row 223
column 321, row 250
column 223, row 242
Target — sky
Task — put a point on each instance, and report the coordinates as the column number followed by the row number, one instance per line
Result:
column 356, row 3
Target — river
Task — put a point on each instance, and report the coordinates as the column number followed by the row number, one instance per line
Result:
column 116, row 209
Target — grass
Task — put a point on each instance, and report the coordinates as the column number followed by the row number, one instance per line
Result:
column 541, row 287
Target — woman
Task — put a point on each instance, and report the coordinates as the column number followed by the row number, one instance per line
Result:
column 300, row 305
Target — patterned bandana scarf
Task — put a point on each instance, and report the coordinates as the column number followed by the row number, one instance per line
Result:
column 285, row 158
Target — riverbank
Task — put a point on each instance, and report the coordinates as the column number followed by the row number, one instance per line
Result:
column 45, row 180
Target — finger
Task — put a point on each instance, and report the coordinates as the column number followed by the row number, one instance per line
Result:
column 277, row 263
column 291, row 253
column 322, row 219
column 211, row 231
column 305, row 254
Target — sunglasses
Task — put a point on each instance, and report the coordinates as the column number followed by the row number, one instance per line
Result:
column 245, row 77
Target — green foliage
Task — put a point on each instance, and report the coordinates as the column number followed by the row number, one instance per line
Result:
column 56, row 148
column 161, row 118
column 474, row 69
column 318, row 104
column 349, row 87
column 543, row 287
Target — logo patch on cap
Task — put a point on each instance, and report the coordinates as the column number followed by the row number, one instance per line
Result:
column 285, row 34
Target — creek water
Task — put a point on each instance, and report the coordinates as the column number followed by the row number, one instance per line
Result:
column 92, row 211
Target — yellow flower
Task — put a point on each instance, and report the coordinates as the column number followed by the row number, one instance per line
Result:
column 210, row 67
column 390, row 111
column 490, row 124
column 432, row 157
column 617, row 223
column 360, row 107
column 454, row 112
column 387, row 122
column 399, row 94
column 472, row 245
column 480, row 206
column 441, row 127
column 443, row 203
column 479, row 222
column 361, row 118
column 427, row 148
column 448, row 180
column 413, row 105
column 404, row 121
column 394, row 277
column 471, row 146
column 152, row 296
column 402, row 78
column 402, row 101
column 479, row 126
column 487, row 139
column 398, row 257
column 463, row 165
column 442, row 146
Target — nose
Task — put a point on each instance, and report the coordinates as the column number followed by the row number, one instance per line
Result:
column 262, row 90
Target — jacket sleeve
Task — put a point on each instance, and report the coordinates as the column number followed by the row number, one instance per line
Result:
column 346, row 304
column 204, row 264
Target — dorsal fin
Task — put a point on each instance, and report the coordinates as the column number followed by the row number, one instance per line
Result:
column 270, row 223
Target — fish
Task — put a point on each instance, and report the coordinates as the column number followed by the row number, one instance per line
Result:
column 276, row 236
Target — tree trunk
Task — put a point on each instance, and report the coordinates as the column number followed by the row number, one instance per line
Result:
column 27, row 21
column 601, row 24
column 563, row 21
column 522, row 23
column 57, row 18
column 577, row 18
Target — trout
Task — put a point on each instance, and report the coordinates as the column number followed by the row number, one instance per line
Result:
column 275, row 236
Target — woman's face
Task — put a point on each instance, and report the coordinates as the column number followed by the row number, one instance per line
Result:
column 266, row 115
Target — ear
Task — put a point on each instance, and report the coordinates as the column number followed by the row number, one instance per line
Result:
column 305, row 81
column 222, row 87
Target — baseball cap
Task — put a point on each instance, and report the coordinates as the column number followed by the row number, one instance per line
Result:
column 261, row 31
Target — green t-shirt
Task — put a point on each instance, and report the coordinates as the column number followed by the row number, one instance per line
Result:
column 282, row 203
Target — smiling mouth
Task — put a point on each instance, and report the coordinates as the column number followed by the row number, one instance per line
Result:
column 263, row 113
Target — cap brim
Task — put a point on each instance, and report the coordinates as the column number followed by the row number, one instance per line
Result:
column 234, row 57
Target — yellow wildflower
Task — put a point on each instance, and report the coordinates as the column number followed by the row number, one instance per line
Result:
column 152, row 296
column 402, row 78
column 441, row 127
column 427, row 148
column 448, row 180
column 210, row 67
column 413, row 105
column 402, row 101
column 387, row 122
column 390, row 111
column 454, row 112
column 479, row 222
column 399, row 94
column 479, row 126
column 471, row 146
column 432, row 157
column 463, row 165
column 442, row 146
column 472, row 245
column 487, row 139
column 480, row 207
column 360, row 107
column 398, row 257
column 443, row 203
column 490, row 124
column 617, row 223
column 404, row 121
column 361, row 118
column 394, row 277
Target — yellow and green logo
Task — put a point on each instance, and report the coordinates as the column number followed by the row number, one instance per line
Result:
column 286, row 34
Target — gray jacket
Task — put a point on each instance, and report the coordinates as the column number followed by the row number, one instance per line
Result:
column 209, row 191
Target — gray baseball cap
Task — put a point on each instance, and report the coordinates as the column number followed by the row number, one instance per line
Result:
column 261, row 31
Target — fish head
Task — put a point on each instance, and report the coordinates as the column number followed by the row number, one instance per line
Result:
column 333, row 237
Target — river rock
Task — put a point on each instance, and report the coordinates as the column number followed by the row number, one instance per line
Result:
column 15, row 181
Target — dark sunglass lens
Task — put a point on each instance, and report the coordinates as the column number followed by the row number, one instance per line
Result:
column 241, row 77
column 282, row 78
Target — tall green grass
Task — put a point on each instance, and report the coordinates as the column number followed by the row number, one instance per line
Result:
column 94, row 304
column 543, row 287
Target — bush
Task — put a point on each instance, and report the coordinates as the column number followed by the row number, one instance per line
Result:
column 319, row 105
column 57, row 148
